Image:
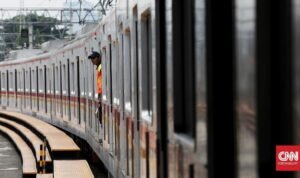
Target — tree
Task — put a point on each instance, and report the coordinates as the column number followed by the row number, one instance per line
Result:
column 41, row 31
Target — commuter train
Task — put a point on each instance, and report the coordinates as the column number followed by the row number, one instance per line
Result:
column 183, row 94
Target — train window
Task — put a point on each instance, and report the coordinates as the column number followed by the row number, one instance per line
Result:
column 11, row 81
column 146, row 67
column 7, row 87
column 26, row 83
column 115, row 72
column 135, row 64
column 30, row 88
column 34, row 87
column 41, row 82
column 245, row 53
column 46, row 87
column 68, row 108
column 3, row 80
column 33, row 81
column 16, row 86
column 127, row 71
column 61, row 89
column 104, row 74
column 56, row 74
column 37, row 87
column 183, row 67
column 1, row 88
column 72, row 80
column 64, row 76
column 24, row 88
column 54, row 101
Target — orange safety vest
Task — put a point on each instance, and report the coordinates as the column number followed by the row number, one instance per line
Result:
column 99, row 79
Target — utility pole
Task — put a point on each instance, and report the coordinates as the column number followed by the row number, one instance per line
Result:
column 30, row 35
column 71, row 18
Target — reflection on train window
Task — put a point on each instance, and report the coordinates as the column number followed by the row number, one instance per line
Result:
column 246, row 112
column 127, row 72
column 183, row 67
column 146, row 67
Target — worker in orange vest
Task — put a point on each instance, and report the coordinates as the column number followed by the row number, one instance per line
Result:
column 96, row 60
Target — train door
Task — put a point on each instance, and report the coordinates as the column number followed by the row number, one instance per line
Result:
column 127, row 105
column 135, row 101
column 146, row 95
column 110, row 121
column 90, row 81
column 121, row 122
column 109, row 93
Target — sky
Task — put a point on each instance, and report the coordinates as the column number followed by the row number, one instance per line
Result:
column 41, row 3
column 38, row 3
